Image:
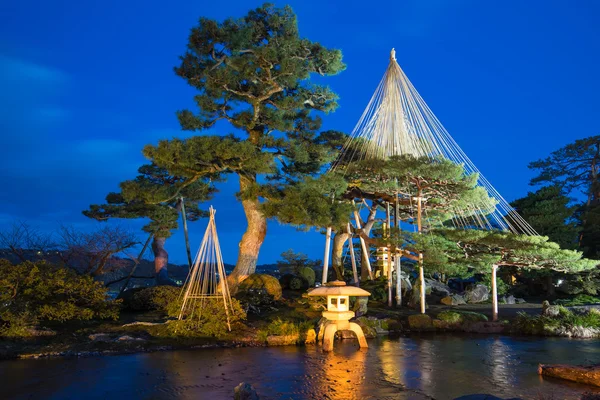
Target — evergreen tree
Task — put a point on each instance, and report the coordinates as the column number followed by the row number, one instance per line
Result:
column 253, row 73
column 157, row 195
column 575, row 168
column 548, row 211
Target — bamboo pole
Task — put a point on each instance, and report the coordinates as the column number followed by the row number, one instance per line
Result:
column 363, row 245
column 389, row 255
column 494, row 293
column 398, row 253
column 352, row 259
column 326, row 256
column 421, row 273
column 398, row 281
column 185, row 233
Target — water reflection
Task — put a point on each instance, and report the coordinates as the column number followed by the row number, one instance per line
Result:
column 428, row 366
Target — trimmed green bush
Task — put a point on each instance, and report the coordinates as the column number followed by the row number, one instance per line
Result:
column 307, row 274
column 154, row 298
column 261, row 281
column 32, row 293
column 207, row 318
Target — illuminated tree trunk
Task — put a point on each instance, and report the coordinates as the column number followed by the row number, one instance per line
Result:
column 337, row 254
column 252, row 239
column 161, row 260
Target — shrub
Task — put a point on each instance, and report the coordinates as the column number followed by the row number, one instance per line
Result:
column 298, row 283
column 543, row 324
column 261, row 281
column 205, row 318
column 281, row 327
column 36, row 292
column 308, row 274
column 154, row 298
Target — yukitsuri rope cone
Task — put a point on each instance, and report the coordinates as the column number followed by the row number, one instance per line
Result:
column 207, row 279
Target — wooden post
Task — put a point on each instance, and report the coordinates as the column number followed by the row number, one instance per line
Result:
column 363, row 245
column 398, row 280
column 421, row 273
column 326, row 256
column 352, row 259
column 398, row 253
column 185, row 233
column 494, row 294
column 387, row 233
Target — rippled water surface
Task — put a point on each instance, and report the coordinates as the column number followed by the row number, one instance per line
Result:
column 423, row 367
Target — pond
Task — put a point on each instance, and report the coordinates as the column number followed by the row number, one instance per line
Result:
column 416, row 367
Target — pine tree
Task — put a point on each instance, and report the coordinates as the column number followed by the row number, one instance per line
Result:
column 575, row 168
column 549, row 212
column 157, row 195
column 253, row 73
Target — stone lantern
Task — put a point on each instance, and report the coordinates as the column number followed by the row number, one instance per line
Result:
column 338, row 311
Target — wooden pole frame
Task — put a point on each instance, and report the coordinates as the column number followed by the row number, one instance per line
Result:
column 494, row 293
column 421, row 272
column 326, row 255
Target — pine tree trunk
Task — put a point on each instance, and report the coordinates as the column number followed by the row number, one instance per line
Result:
column 161, row 261
column 337, row 255
column 253, row 237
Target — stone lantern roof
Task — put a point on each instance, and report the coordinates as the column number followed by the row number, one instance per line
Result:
column 338, row 288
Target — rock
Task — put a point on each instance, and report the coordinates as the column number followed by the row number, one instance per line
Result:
column 477, row 294
column 550, row 311
column 576, row 332
column 245, row 391
column 520, row 300
column 100, row 337
column 360, row 306
column 372, row 326
column 453, row 300
column 587, row 375
column 420, row 322
column 311, row 337
column 283, row 340
column 437, row 288
column 127, row 338
column 461, row 317
column 509, row 299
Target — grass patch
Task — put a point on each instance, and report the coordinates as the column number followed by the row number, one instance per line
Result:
column 579, row 300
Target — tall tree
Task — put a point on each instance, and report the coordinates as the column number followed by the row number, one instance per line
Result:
column 157, row 195
column 575, row 169
column 253, row 72
column 549, row 212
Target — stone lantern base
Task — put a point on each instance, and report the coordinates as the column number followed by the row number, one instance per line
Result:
column 330, row 327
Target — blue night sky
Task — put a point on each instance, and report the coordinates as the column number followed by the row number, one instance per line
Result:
column 85, row 84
